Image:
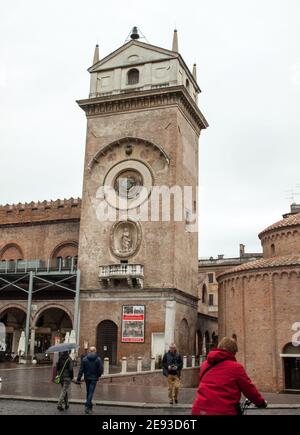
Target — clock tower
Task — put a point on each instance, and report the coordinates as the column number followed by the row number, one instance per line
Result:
column 138, row 252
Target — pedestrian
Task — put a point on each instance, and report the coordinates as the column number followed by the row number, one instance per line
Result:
column 172, row 366
column 222, row 381
column 92, row 368
column 64, row 368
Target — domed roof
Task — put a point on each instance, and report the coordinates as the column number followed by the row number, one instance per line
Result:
column 290, row 221
column 265, row 263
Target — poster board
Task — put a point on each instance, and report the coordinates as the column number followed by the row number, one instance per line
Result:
column 133, row 324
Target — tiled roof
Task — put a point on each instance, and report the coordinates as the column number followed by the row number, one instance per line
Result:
column 265, row 263
column 290, row 221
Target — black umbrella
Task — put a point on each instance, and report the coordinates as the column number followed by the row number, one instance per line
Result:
column 63, row 347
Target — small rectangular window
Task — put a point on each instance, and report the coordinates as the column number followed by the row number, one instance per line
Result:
column 211, row 300
column 211, row 278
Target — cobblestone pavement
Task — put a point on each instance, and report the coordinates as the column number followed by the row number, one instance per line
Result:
column 35, row 382
column 16, row 407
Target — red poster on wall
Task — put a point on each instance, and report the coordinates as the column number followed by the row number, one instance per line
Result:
column 133, row 324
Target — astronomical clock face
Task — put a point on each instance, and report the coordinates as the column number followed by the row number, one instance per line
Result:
column 128, row 184
column 131, row 182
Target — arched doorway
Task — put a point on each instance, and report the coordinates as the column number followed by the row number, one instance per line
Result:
column 14, row 320
column 184, row 338
column 107, row 341
column 291, row 359
column 51, row 327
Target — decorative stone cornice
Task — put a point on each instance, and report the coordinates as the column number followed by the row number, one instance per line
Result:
column 141, row 100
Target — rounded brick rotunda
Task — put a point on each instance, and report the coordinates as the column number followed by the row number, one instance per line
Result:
column 259, row 304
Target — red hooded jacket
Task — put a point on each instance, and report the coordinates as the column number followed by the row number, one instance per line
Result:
column 220, row 388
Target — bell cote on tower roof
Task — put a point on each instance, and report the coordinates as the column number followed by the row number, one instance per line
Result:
column 139, row 66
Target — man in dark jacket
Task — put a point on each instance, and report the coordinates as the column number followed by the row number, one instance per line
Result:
column 92, row 368
column 172, row 366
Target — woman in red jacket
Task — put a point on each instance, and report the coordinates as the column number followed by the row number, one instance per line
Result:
column 222, row 380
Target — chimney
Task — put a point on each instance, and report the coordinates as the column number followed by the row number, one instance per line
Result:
column 295, row 208
column 242, row 250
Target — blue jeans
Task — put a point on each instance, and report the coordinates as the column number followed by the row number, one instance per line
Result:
column 90, row 389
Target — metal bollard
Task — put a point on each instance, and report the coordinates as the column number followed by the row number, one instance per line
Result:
column 185, row 362
column 139, row 364
column 106, row 366
column 124, row 365
column 152, row 364
column 193, row 361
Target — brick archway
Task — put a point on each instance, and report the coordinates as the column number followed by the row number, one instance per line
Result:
column 12, row 251
column 68, row 248
column 49, row 307
column 11, row 306
column 13, row 317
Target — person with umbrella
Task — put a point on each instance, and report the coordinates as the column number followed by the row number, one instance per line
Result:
column 64, row 367
column 64, row 371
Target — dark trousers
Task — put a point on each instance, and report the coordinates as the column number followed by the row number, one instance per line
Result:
column 63, row 398
column 90, row 389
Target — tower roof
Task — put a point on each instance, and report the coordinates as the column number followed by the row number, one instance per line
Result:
column 290, row 221
column 154, row 53
column 264, row 264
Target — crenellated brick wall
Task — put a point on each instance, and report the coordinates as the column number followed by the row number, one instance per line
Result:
column 40, row 212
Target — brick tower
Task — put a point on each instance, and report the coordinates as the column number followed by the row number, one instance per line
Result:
column 139, row 276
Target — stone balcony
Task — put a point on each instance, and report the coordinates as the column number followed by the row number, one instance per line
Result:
column 213, row 308
column 115, row 274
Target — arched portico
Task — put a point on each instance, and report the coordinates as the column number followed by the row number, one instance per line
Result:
column 49, row 327
column 14, row 320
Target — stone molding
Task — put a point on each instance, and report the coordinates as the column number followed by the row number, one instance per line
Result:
column 130, row 141
column 147, row 294
column 145, row 100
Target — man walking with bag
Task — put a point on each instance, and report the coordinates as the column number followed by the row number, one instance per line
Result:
column 92, row 368
column 172, row 366
column 65, row 375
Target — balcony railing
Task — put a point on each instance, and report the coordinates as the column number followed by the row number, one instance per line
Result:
column 213, row 308
column 133, row 273
column 54, row 265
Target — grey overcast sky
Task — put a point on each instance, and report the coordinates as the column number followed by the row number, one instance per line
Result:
column 248, row 60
